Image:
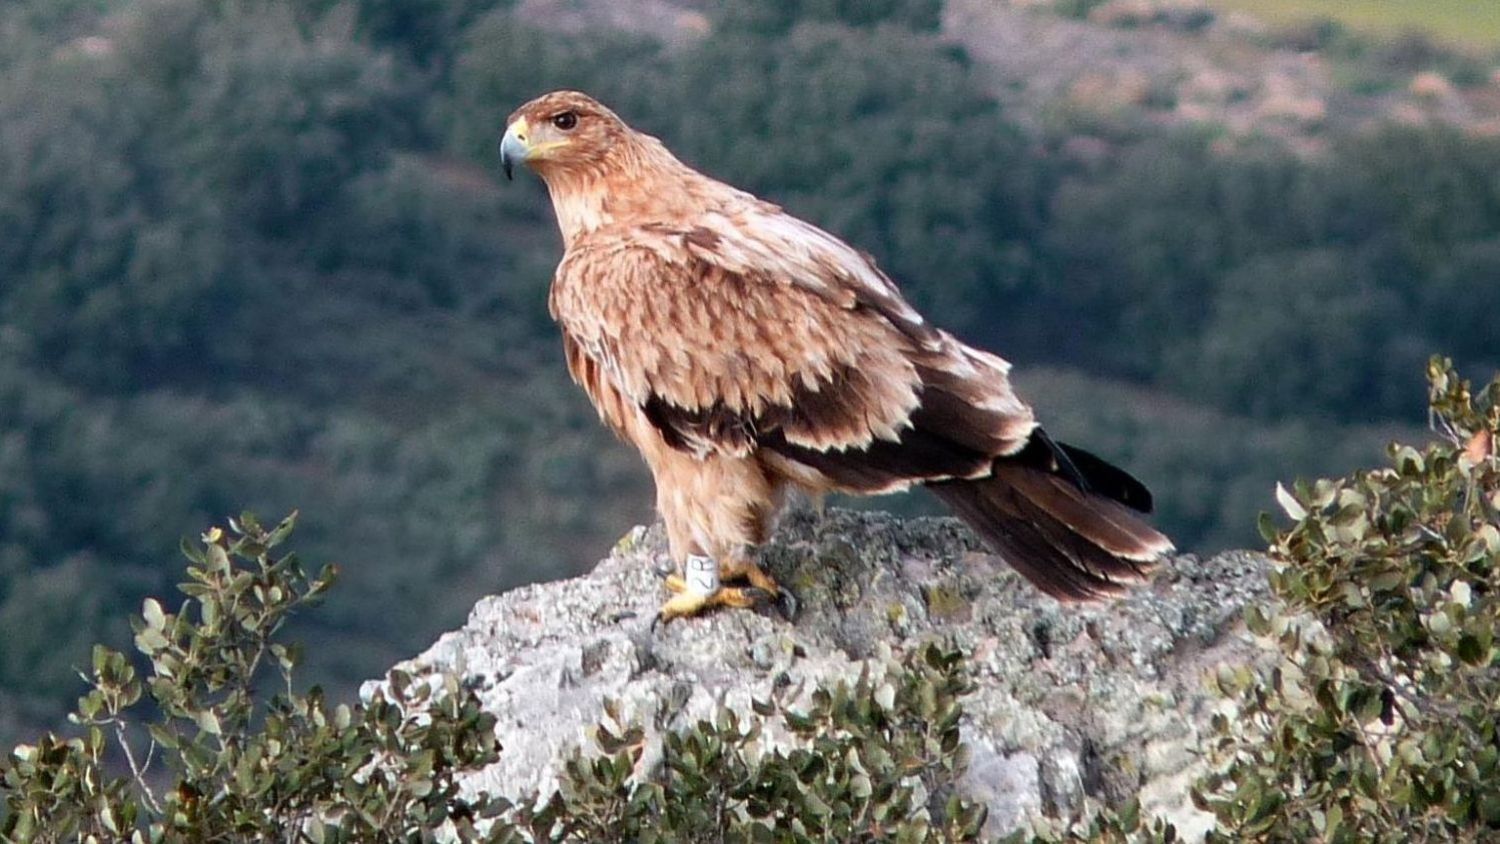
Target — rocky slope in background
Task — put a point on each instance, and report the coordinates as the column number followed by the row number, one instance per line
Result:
column 1148, row 62
column 1071, row 700
column 1182, row 62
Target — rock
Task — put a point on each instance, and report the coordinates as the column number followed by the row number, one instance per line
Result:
column 1106, row 92
column 1071, row 702
column 1431, row 85
column 1124, row 13
column 1285, row 98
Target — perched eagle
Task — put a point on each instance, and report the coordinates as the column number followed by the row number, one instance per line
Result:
column 747, row 353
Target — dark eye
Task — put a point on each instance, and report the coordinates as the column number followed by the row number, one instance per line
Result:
column 565, row 121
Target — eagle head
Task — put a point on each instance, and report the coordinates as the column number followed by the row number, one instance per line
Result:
column 561, row 132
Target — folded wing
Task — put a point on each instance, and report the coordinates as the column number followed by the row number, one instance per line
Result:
column 742, row 333
column 752, row 332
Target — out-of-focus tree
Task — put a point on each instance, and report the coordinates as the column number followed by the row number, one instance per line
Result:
column 426, row 32
column 1461, row 303
column 1300, row 328
column 268, row 117
column 1136, row 255
column 144, row 188
column 1189, row 258
column 776, row 17
column 108, row 272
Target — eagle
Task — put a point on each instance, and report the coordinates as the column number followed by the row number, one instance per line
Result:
column 748, row 354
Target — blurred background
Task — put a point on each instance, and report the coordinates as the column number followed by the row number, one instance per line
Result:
column 255, row 255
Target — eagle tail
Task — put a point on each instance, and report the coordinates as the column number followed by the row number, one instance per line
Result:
column 1067, row 520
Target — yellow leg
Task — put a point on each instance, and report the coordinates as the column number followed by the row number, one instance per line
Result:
column 686, row 603
column 742, row 569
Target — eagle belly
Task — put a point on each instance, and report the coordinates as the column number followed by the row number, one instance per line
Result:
column 715, row 504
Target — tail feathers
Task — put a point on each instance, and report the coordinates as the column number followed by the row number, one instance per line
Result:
column 1086, row 470
column 1073, row 544
column 1108, row 480
column 1105, row 523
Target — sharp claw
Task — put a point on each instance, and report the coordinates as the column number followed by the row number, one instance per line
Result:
column 756, row 594
column 658, row 621
column 787, row 604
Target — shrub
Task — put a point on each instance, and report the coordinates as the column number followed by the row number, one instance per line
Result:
column 212, row 763
column 872, row 760
column 1379, row 722
column 876, row 759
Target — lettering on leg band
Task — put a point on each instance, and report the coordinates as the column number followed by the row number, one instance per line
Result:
column 702, row 575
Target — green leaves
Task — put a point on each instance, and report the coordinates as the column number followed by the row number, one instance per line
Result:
column 1379, row 723
column 232, row 764
column 876, row 759
column 1289, row 504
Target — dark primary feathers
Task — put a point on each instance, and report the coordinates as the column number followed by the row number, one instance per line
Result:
column 1065, row 519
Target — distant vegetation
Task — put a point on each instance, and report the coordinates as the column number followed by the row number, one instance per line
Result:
column 254, row 256
column 1463, row 21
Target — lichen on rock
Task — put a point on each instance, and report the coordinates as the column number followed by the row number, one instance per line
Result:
column 1073, row 701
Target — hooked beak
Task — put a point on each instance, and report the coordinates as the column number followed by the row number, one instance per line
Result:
column 514, row 147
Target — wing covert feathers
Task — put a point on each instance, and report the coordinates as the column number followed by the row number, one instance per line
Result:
column 740, row 330
column 750, row 334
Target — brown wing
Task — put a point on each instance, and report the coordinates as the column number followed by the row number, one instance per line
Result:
column 760, row 332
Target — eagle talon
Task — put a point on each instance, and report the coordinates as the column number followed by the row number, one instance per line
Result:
column 757, row 595
column 787, row 604
column 687, row 603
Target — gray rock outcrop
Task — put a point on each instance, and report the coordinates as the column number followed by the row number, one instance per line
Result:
column 1101, row 700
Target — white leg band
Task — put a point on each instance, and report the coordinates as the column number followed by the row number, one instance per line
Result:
column 701, row 575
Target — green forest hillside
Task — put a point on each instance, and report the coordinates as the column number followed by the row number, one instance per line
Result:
column 254, row 255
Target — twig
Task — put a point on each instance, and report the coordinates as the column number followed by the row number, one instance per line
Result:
column 137, row 771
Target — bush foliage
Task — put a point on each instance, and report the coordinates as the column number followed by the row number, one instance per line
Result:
column 209, row 761
column 210, row 758
column 872, row 760
column 1379, row 723
column 1376, row 719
